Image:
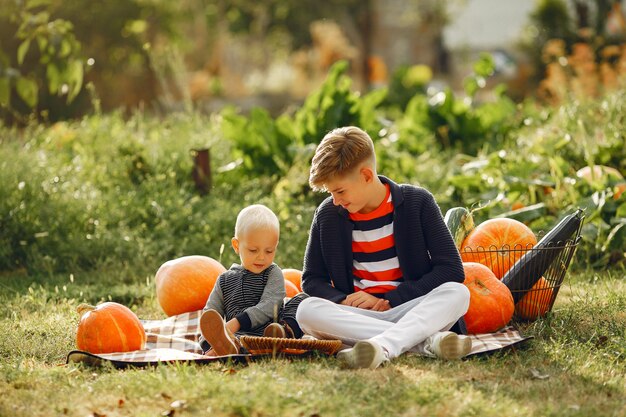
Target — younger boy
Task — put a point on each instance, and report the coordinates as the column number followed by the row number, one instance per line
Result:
column 380, row 265
column 249, row 296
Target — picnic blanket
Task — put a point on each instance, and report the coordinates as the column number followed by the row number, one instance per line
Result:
column 175, row 339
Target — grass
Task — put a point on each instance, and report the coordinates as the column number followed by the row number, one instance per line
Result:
column 574, row 366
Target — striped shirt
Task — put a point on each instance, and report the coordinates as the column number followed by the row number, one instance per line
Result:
column 375, row 264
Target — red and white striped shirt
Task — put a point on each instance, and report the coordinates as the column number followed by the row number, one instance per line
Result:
column 375, row 263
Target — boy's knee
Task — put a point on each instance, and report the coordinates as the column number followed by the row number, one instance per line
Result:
column 306, row 309
column 458, row 291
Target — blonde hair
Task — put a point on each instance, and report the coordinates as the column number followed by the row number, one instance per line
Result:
column 256, row 216
column 342, row 150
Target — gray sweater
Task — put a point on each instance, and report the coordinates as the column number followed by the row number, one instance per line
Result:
column 254, row 299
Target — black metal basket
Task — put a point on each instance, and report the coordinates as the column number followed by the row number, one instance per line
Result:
column 537, row 284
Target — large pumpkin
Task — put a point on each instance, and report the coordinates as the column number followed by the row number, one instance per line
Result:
column 109, row 327
column 491, row 303
column 294, row 276
column 498, row 244
column 184, row 284
column 536, row 302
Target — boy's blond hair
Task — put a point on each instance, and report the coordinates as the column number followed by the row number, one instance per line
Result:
column 341, row 151
column 256, row 216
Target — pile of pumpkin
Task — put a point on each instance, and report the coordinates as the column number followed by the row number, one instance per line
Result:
column 182, row 285
column 500, row 259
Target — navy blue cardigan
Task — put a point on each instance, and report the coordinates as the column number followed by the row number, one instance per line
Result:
column 426, row 251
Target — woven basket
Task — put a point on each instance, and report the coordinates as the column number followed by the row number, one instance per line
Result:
column 263, row 345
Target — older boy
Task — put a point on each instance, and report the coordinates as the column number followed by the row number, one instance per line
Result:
column 380, row 266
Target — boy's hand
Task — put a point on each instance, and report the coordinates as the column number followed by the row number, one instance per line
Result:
column 233, row 325
column 361, row 299
column 382, row 305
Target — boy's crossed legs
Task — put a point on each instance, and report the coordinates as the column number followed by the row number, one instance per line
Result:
column 418, row 325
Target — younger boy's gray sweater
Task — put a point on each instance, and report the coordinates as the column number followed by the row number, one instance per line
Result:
column 254, row 299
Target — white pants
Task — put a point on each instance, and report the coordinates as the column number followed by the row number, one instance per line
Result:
column 399, row 329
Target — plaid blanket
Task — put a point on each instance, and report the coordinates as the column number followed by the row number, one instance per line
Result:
column 175, row 339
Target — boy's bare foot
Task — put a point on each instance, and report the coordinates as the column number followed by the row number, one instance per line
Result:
column 213, row 329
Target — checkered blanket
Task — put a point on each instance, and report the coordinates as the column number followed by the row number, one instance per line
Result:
column 175, row 339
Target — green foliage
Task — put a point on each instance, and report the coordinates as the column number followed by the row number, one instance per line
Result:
column 334, row 105
column 459, row 123
column 407, row 82
column 268, row 147
column 105, row 190
column 47, row 61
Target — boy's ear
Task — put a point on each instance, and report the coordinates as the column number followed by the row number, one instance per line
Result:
column 235, row 243
column 368, row 174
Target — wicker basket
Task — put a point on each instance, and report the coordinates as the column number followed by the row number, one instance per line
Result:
column 263, row 345
column 536, row 291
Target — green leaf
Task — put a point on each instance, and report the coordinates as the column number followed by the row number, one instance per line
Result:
column 27, row 90
column 75, row 74
column 42, row 41
column 32, row 4
column 5, row 92
column 65, row 49
column 22, row 50
column 485, row 66
column 612, row 234
column 470, row 85
column 54, row 78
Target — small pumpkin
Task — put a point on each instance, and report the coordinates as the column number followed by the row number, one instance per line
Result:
column 184, row 284
column 491, row 303
column 294, row 276
column 536, row 302
column 109, row 327
column 291, row 289
column 498, row 244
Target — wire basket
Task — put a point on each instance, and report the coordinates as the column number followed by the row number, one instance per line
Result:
column 534, row 285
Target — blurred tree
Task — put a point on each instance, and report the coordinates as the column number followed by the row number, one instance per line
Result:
column 130, row 51
column 117, row 36
column 41, row 67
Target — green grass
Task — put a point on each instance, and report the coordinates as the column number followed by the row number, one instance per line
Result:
column 574, row 366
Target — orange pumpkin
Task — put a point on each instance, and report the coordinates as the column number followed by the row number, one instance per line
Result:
column 290, row 288
column 536, row 302
column 498, row 244
column 294, row 276
column 109, row 327
column 491, row 303
column 184, row 284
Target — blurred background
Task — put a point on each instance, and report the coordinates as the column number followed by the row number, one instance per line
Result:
column 63, row 57
column 130, row 130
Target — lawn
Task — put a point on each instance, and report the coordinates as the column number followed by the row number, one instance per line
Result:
column 574, row 366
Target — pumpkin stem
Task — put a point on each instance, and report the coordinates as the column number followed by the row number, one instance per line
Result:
column 84, row 308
